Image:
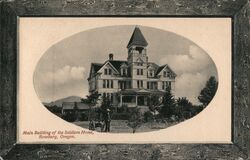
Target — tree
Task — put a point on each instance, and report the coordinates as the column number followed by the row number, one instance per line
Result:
column 154, row 102
column 106, row 103
column 135, row 119
column 184, row 108
column 168, row 103
column 207, row 93
column 91, row 99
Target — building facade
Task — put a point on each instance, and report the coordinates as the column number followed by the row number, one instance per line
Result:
column 133, row 81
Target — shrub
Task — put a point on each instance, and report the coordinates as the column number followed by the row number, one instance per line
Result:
column 135, row 119
column 70, row 117
column 148, row 116
column 83, row 117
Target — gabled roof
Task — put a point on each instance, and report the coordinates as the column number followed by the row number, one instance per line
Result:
column 153, row 65
column 137, row 38
column 68, row 105
column 118, row 64
column 97, row 66
column 82, row 106
column 162, row 67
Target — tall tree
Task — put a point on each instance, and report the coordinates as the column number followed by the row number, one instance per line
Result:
column 91, row 99
column 106, row 103
column 184, row 108
column 168, row 104
column 207, row 93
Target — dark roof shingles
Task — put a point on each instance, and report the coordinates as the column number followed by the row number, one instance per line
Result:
column 137, row 38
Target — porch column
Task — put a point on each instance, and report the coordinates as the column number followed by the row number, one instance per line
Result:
column 136, row 100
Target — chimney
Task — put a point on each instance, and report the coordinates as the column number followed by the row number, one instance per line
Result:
column 111, row 56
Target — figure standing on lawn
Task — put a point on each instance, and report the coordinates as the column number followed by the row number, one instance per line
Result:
column 107, row 120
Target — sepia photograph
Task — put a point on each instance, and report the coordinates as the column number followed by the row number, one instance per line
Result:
column 125, row 79
column 148, row 79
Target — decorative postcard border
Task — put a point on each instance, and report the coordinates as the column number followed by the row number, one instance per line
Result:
column 238, row 10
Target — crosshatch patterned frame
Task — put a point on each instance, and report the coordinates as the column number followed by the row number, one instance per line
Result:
column 238, row 10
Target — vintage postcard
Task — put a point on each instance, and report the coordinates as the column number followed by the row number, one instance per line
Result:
column 124, row 80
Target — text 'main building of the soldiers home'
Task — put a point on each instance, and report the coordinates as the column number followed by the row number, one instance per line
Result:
column 131, row 82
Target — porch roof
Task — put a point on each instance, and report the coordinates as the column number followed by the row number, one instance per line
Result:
column 139, row 92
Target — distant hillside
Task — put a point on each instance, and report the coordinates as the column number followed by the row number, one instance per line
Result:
column 60, row 101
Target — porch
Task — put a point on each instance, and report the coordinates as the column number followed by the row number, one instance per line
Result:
column 136, row 97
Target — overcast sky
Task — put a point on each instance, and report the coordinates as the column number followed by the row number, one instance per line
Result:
column 63, row 70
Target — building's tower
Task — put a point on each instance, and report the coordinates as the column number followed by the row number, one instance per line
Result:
column 137, row 59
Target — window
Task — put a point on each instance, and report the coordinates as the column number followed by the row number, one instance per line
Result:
column 120, row 85
column 111, row 85
column 139, row 71
column 124, row 84
column 152, row 85
column 155, row 85
column 139, row 84
column 129, row 84
column 164, row 74
column 104, row 84
column 123, row 71
column 108, row 84
column 169, row 85
column 107, row 71
column 151, row 73
column 166, row 84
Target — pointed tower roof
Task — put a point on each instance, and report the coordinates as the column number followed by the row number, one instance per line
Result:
column 137, row 38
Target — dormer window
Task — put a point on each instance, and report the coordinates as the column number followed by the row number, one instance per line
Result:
column 168, row 74
column 107, row 71
column 123, row 71
column 151, row 73
column 164, row 74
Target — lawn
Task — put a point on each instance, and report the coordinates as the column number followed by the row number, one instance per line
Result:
column 120, row 126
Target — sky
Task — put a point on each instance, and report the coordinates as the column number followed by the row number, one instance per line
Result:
column 64, row 68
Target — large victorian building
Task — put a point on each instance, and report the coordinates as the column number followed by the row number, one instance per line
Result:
column 133, row 81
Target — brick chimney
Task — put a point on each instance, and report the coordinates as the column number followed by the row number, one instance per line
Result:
column 111, row 56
